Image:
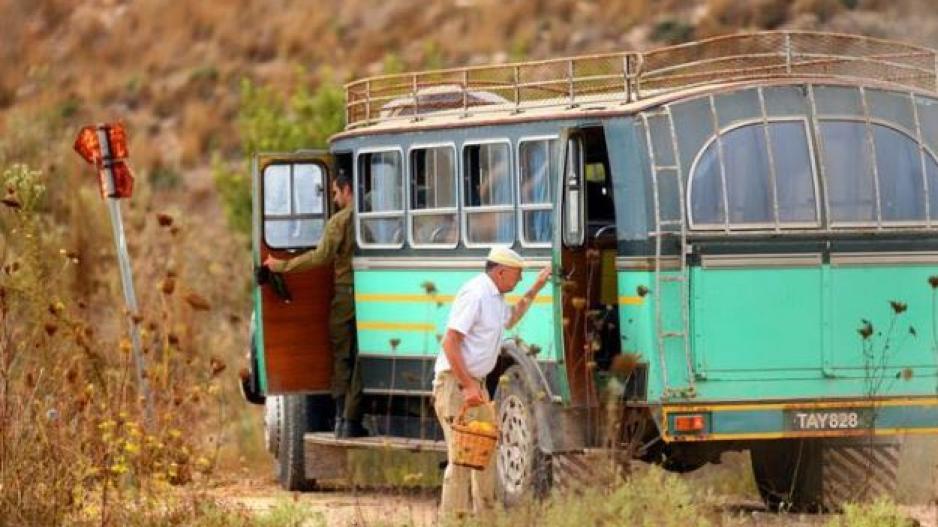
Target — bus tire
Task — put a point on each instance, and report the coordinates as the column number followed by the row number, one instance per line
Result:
column 788, row 474
column 291, row 459
column 273, row 423
column 822, row 475
column 522, row 469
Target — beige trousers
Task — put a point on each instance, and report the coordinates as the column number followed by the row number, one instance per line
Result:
column 461, row 484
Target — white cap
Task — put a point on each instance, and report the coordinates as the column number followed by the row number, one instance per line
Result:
column 504, row 256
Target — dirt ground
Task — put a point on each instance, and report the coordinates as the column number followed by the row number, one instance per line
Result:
column 384, row 508
column 730, row 482
column 339, row 506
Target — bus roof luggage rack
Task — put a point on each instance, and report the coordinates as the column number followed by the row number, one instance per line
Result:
column 631, row 76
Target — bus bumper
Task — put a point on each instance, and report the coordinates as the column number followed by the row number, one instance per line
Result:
column 797, row 419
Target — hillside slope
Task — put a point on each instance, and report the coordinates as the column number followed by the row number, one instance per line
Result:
column 172, row 69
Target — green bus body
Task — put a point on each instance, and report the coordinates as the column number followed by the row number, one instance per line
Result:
column 768, row 326
column 775, row 315
column 743, row 234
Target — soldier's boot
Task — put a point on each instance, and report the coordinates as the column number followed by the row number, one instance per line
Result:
column 351, row 428
column 348, row 425
column 339, row 413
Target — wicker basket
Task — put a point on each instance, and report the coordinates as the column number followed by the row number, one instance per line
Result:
column 473, row 448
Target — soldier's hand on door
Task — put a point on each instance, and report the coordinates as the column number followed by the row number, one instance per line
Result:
column 270, row 262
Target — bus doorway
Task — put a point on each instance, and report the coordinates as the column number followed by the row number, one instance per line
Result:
column 588, row 297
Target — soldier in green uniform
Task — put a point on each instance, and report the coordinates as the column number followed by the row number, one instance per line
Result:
column 335, row 247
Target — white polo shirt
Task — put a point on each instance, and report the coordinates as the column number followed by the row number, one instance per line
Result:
column 480, row 313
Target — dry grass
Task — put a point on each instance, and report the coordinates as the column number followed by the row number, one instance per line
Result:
column 75, row 445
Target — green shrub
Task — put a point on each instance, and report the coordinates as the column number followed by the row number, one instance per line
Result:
column 233, row 184
column 271, row 122
column 672, row 32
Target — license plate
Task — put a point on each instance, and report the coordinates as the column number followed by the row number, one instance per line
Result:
column 808, row 420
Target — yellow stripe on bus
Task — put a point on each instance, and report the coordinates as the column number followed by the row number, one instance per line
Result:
column 446, row 299
column 396, row 326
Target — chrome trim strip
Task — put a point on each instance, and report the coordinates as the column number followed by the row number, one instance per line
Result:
column 392, row 391
column 731, row 261
column 434, row 262
column 907, row 258
column 373, row 355
column 646, row 263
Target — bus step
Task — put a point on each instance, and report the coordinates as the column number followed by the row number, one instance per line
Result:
column 668, row 223
column 375, row 442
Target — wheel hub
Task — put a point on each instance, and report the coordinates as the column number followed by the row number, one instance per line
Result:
column 514, row 452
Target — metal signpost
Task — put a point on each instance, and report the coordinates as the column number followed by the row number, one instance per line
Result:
column 105, row 146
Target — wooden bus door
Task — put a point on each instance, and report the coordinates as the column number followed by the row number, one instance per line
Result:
column 292, row 202
column 570, row 253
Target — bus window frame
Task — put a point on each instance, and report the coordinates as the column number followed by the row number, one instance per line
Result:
column 323, row 215
column 924, row 150
column 777, row 224
column 410, row 211
column 359, row 215
column 465, row 210
column 522, row 207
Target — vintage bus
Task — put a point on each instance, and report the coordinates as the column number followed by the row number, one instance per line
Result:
column 743, row 237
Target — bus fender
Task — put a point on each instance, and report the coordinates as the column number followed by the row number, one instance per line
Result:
column 516, row 352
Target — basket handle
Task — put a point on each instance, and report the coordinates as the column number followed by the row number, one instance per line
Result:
column 461, row 416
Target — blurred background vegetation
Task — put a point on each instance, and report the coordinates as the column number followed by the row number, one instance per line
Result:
column 202, row 86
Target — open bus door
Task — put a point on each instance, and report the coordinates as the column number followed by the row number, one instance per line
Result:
column 292, row 203
column 569, row 260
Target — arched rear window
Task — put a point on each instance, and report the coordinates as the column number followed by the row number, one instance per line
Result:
column 749, row 174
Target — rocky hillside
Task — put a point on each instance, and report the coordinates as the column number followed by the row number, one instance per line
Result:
column 173, row 70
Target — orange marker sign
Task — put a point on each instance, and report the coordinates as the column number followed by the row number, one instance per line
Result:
column 105, row 147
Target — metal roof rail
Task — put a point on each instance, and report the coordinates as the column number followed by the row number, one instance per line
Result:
column 630, row 76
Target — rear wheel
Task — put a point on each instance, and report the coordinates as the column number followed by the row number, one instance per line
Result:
column 522, row 469
column 824, row 474
column 788, row 474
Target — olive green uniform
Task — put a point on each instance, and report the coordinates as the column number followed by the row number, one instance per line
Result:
column 336, row 245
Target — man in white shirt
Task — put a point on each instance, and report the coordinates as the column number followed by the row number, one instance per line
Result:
column 470, row 349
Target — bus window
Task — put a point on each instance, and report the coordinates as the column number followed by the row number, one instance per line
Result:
column 849, row 170
column 488, row 202
column 536, row 162
column 293, row 205
column 794, row 172
column 433, row 197
column 380, row 199
column 899, row 166
column 747, row 159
